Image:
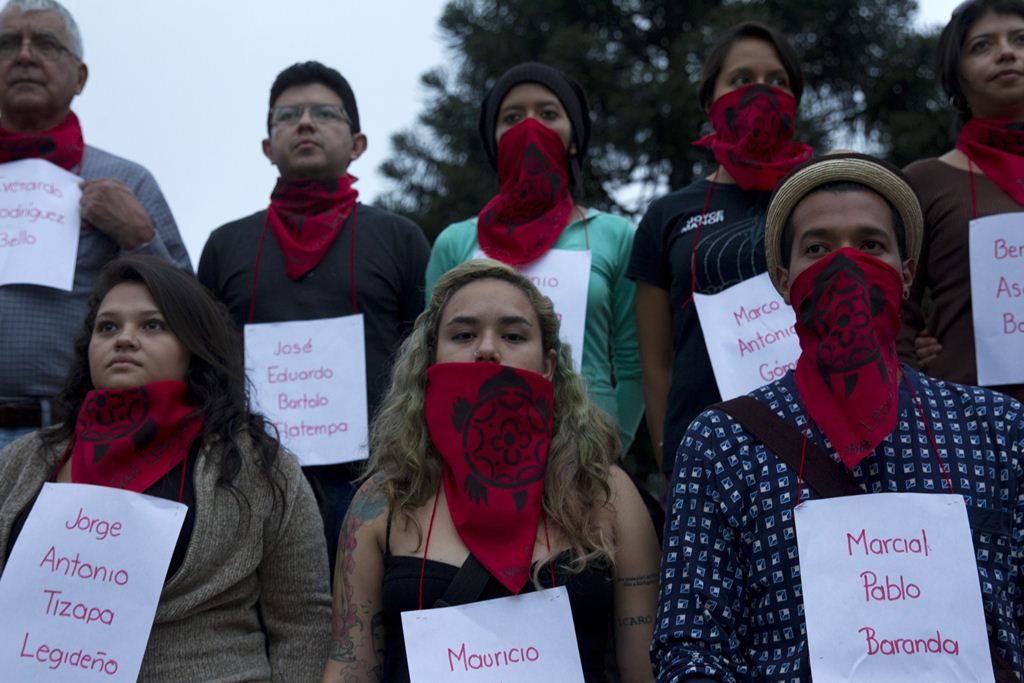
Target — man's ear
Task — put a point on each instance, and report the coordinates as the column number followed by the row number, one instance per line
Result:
column 266, row 149
column 909, row 270
column 782, row 278
column 83, row 76
column 359, row 145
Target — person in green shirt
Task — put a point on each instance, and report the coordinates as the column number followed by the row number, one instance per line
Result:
column 535, row 128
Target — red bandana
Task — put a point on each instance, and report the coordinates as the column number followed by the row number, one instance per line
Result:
column 492, row 425
column 753, row 136
column 848, row 315
column 307, row 216
column 997, row 147
column 533, row 206
column 130, row 438
column 61, row 145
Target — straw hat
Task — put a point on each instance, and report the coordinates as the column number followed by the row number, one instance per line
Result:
column 841, row 166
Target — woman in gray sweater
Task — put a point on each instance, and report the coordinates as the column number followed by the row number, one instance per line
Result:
column 156, row 403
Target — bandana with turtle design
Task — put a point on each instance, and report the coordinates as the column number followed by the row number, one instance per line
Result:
column 130, row 438
column 847, row 317
column 533, row 205
column 307, row 215
column 753, row 136
column 492, row 426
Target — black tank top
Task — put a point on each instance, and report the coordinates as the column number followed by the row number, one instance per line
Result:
column 590, row 599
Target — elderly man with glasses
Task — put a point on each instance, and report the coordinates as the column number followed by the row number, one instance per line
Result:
column 316, row 253
column 122, row 208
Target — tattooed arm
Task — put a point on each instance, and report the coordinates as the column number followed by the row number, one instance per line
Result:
column 357, row 625
column 636, row 580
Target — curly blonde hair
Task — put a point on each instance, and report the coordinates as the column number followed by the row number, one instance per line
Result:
column 407, row 466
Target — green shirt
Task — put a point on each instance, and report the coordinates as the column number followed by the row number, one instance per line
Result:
column 611, row 356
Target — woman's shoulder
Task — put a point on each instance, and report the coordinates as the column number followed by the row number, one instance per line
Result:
column 923, row 171
column 30, row 451
column 681, row 199
column 458, row 232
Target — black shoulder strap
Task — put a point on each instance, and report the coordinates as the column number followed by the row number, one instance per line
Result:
column 823, row 474
column 828, row 478
column 467, row 586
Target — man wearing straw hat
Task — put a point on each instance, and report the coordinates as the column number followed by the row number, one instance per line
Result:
column 842, row 236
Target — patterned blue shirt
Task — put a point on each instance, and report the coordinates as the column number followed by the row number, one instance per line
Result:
column 730, row 605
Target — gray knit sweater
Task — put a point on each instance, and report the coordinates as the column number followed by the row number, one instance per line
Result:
column 207, row 625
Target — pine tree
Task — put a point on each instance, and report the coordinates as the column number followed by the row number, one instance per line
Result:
column 870, row 84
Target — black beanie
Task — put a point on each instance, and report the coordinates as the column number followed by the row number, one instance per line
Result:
column 566, row 89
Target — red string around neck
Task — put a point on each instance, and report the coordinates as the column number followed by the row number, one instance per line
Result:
column 586, row 231
column 351, row 268
column 974, row 196
column 426, row 546
column 696, row 239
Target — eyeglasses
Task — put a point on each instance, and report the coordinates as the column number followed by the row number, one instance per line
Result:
column 320, row 113
column 42, row 45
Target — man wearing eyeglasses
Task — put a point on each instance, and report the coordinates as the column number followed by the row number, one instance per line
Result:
column 122, row 208
column 316, row 253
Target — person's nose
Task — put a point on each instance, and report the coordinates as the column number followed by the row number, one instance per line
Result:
column 127, row 337
column 306, row 119
column 487, row 350
column 1008, row 51
column 25, row 52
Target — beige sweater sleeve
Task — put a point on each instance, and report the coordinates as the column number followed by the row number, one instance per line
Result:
column 294, row 599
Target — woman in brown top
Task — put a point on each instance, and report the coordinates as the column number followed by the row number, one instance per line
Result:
column 981, row 62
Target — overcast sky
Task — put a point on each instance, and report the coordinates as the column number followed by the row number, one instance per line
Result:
column 182, row 87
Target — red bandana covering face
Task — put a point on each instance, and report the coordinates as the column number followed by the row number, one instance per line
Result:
column 753, row 136
column 848, row 313
column 130, row 438
column 997, row 147
column 61, row 145
column 492, row 425
column 533, row 205
column 307, row 216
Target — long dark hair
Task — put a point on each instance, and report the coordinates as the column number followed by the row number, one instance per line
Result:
column 216, row 374
column 951, row 46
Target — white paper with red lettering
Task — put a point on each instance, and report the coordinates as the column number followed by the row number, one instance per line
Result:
column 81, row 586
column 309, row 378
column 891, row 589
column 997, row 297
column 520, row 639
column 748, row 331
column 563, row 275
column 39, row 224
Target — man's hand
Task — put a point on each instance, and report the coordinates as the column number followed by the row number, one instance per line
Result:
column 926, row 348
column 114, row 210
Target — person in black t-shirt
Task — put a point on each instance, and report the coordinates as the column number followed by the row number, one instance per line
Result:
column 316, row 252
column 752, row 83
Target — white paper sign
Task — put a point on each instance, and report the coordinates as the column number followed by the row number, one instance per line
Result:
column 891, row 589
column 309, row 379
column 521, row 639
column 39, row 224
column 81, row 586
column 997, row 297
column 563, row 276
column 748, row 330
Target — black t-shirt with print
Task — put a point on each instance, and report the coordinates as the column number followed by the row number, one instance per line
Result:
column 731, row 250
